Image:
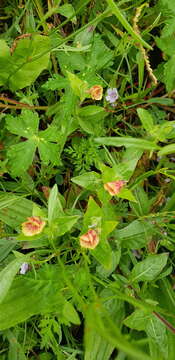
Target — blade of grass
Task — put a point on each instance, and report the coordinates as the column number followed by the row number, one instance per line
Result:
column 115, row 10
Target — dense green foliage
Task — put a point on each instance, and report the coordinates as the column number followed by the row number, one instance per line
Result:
column 87, row 170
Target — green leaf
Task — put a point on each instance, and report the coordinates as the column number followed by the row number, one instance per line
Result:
column 100, row 54
column 143, row 206
column 168, row 149
column 127, row 142
column 14, row 209
column 28, row 297
column 70, row 313
column 16, row 351
column 50, row 134
column 5, row 61
column 17, row 161
column 65, row 223
column 54, row 205
column 96, row 346
column 138, row 319
column 78, row 86
column 146, row 119
column 25, row 125
column 68, row 11
column 149, row 268
column 28, row 60
column 126, row 194
column 6, row 246
column 7, row 275
column 93, row 218
column 57, row 82
column 89, row 180
column 91, row 110
column 48, row 152
column 70, row 61
column 135, row 235
column 109, row 331
column 169, row 74
column 129, row 162
column 155, row 329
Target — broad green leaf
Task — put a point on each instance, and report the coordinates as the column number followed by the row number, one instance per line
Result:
column 168, row 149
column 5, row 61
column 169, row 74
column 64, row 223
column 126, row 194
column 57, row 82
column 156, row 330
column 17, row 161
column 100, row 55
column 68, row 11
column 25, row 125
column 54, row 205
column 91, row 119
column 70, row 61
column 146, row 119
column 165, row 42
column 78, row 86
column 14, row 209
column 50, row 134
column 103, row 254
column 96, row 346
column 29, row 59
column 92, row 215
column 135, row 235
column 127, row 142
column 6, row 246
column 49, row 152
column 107, row 329
column 142, row 207
column 138, row 320
column 7, row 275
column 148, row 269
column 129, row 162
column 70, row 313
column 105, row 273
column 89, row 180
column 91, row 110
column 32, row 296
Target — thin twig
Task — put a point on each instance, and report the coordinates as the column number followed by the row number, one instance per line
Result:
column 19, row 105
column 4, row 106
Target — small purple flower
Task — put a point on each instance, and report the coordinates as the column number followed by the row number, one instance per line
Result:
column 24, row 268
column 112, row 95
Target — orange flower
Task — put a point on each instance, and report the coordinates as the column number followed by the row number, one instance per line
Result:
column 33, row 226
column 114, row 187
column 96, row 92
column 89, row 240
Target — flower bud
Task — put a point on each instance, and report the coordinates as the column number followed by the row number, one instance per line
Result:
column 89, row 240
column 114, row 187
column 96, row 92
column 33, row 226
